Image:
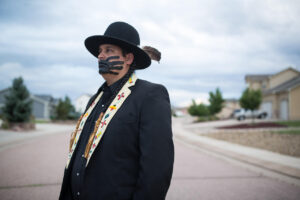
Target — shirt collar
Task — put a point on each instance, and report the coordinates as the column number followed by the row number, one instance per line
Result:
column 113, row 87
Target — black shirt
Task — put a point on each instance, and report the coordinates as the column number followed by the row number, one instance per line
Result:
column 78, row 167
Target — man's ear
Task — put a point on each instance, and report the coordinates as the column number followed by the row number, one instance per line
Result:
column 129, row 58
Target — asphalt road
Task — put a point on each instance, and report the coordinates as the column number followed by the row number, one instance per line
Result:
column 33, row 168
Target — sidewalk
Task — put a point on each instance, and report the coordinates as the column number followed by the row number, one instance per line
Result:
column 283, row 164
column 9, row 137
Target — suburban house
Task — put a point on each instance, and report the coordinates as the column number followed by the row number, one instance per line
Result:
column 81, row 102
column 43, row 106
column 3, row 93
column 230, row 105
column 281, row 93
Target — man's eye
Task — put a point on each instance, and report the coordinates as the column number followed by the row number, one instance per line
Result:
column 109, row 50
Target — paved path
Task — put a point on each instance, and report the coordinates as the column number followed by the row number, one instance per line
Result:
column 32, row 169
column 8, row 137
column 199, row 175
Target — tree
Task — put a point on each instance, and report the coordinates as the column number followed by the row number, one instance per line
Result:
column 216, row 102
column 193, row 108
column 18, row 105
column 198, row 110
column 64, row 110
column 251, row 100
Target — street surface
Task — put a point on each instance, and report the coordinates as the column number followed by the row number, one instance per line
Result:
column 32, row 169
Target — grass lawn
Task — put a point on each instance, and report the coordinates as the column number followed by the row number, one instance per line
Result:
column 290, row 123
column 41, row 121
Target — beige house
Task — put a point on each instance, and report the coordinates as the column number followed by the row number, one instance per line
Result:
column 281, row 93
column 229, row 106
column 81, row 102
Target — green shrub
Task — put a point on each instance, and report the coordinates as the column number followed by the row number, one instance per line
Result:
column 207, row 118
column 5, row 125
column 65, row 110
column 198, row 110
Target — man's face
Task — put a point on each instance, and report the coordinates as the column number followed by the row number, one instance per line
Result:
column 108, row 50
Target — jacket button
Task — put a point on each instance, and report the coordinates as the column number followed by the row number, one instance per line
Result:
column 78, row 193
column 77, row 174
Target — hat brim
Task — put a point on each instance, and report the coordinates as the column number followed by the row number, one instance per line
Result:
column 141, row 58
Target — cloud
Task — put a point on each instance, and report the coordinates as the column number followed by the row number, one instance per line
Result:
column 183, row 98
column 58, row 80
column 204, row 44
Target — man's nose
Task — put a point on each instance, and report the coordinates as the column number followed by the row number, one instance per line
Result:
column 101, row 56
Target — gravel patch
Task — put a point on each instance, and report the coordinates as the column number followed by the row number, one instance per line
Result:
column 288, row 144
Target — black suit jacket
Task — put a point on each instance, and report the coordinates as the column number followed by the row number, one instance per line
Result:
column 134, row 159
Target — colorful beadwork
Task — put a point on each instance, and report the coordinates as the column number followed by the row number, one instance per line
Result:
column 109, row 114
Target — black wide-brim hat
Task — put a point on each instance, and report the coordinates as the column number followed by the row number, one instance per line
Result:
column 123, row 35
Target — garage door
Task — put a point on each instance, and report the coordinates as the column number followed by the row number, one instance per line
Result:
column 284, row 110
column 267, row 107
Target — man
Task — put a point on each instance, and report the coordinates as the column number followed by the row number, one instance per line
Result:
column 122, row 148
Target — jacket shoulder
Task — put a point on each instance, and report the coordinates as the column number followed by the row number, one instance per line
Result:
column 148, row 86
column 148, row 90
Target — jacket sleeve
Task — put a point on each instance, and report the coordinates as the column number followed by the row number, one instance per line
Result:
column 156, row 146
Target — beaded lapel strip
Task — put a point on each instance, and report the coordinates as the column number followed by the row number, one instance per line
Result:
column 108, row 115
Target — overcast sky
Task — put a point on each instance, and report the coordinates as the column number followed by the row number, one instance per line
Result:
column 204, row 44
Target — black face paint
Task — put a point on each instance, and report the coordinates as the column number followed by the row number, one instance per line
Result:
column 105, row 66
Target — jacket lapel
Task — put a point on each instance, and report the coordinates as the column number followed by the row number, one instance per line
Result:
column 110, row 112
column 80, row 128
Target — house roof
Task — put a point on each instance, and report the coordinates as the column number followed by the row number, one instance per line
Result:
column 285, row 86
column 287, row 69
column 257, row 77
column 4, row 90
column 231, row 100
column 3, row 93
column 44, row 97
column 41, row 98
column 260, row 77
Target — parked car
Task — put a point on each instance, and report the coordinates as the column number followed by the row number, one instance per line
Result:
column 241, row 114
